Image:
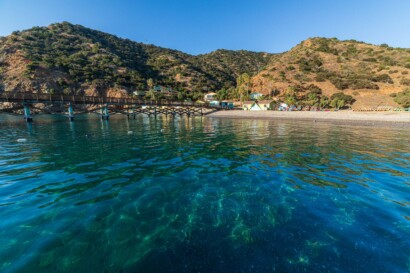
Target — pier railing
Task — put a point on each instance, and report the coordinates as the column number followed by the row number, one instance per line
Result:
column 30, row 98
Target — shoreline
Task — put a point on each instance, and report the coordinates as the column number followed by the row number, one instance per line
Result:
column 343, row 116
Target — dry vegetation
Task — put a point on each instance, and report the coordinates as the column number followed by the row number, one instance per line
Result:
column 367, row 72
column 66, row 58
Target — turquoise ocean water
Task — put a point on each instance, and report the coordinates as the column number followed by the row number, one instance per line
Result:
column 202, row 195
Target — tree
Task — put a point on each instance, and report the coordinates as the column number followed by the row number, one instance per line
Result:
column 196, row 96
column 340, row 104
column 159, row 96
column 342, row 96
column 324, row 102
column 290, row 100
column 333, row 103
column 312, row 99
column 234, row 93
column 314, row 89
column 290, row 96
column 150, row 83
column 340, row 100
column 312, row 96
column 151, row 92
column 243, row 83
column 222, row 94
column 181, row 96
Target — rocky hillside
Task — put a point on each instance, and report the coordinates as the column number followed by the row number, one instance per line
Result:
column 73, row 59
column 369, row 73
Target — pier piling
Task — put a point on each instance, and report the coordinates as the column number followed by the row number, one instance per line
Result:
column 104, row 113
column 70, row 112
column 27, row 114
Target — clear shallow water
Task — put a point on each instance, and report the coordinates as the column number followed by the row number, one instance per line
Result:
column 203, row 195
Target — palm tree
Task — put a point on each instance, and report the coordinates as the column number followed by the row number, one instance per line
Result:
column 151, row 92
column 242, row 85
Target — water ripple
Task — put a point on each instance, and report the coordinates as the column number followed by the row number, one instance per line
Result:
column 203, row 195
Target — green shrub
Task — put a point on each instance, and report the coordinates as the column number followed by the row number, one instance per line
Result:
column 339, row 83
column 311, row 99
column 387, row 61
column 405, row 82
column 314, row 89
column 282, row 75
column 290, row 99
column 351, row 50
column 324, row 46
column 352, row 83
column 310, row 65
column 382, row 67
column 301, row 78
column 324, row 102
column 321, row 77
column 363, row 84
column 340, row 100
column 403, row 98
column 373, row 60
column 86, row 55
column 382, row 78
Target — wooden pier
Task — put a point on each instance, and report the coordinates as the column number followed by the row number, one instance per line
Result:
column 166, row 110
column 104, row 106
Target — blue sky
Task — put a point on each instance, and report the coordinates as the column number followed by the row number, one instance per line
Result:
column 201, row 26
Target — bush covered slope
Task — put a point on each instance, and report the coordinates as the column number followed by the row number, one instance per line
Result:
column 71, row 58
column 367, row 72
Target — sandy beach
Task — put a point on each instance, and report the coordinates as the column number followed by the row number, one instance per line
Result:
column 339, row 116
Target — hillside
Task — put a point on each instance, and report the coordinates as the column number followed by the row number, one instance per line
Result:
column 72, row 59
column 367, row 72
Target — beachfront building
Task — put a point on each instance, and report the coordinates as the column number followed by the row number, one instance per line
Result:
column 227, row 104
column 283, row 107
column 262, row 105
column 247, row 105
column 255, row 96
column 210, row 97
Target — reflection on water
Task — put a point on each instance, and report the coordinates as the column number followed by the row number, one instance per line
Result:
column 203, row 195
